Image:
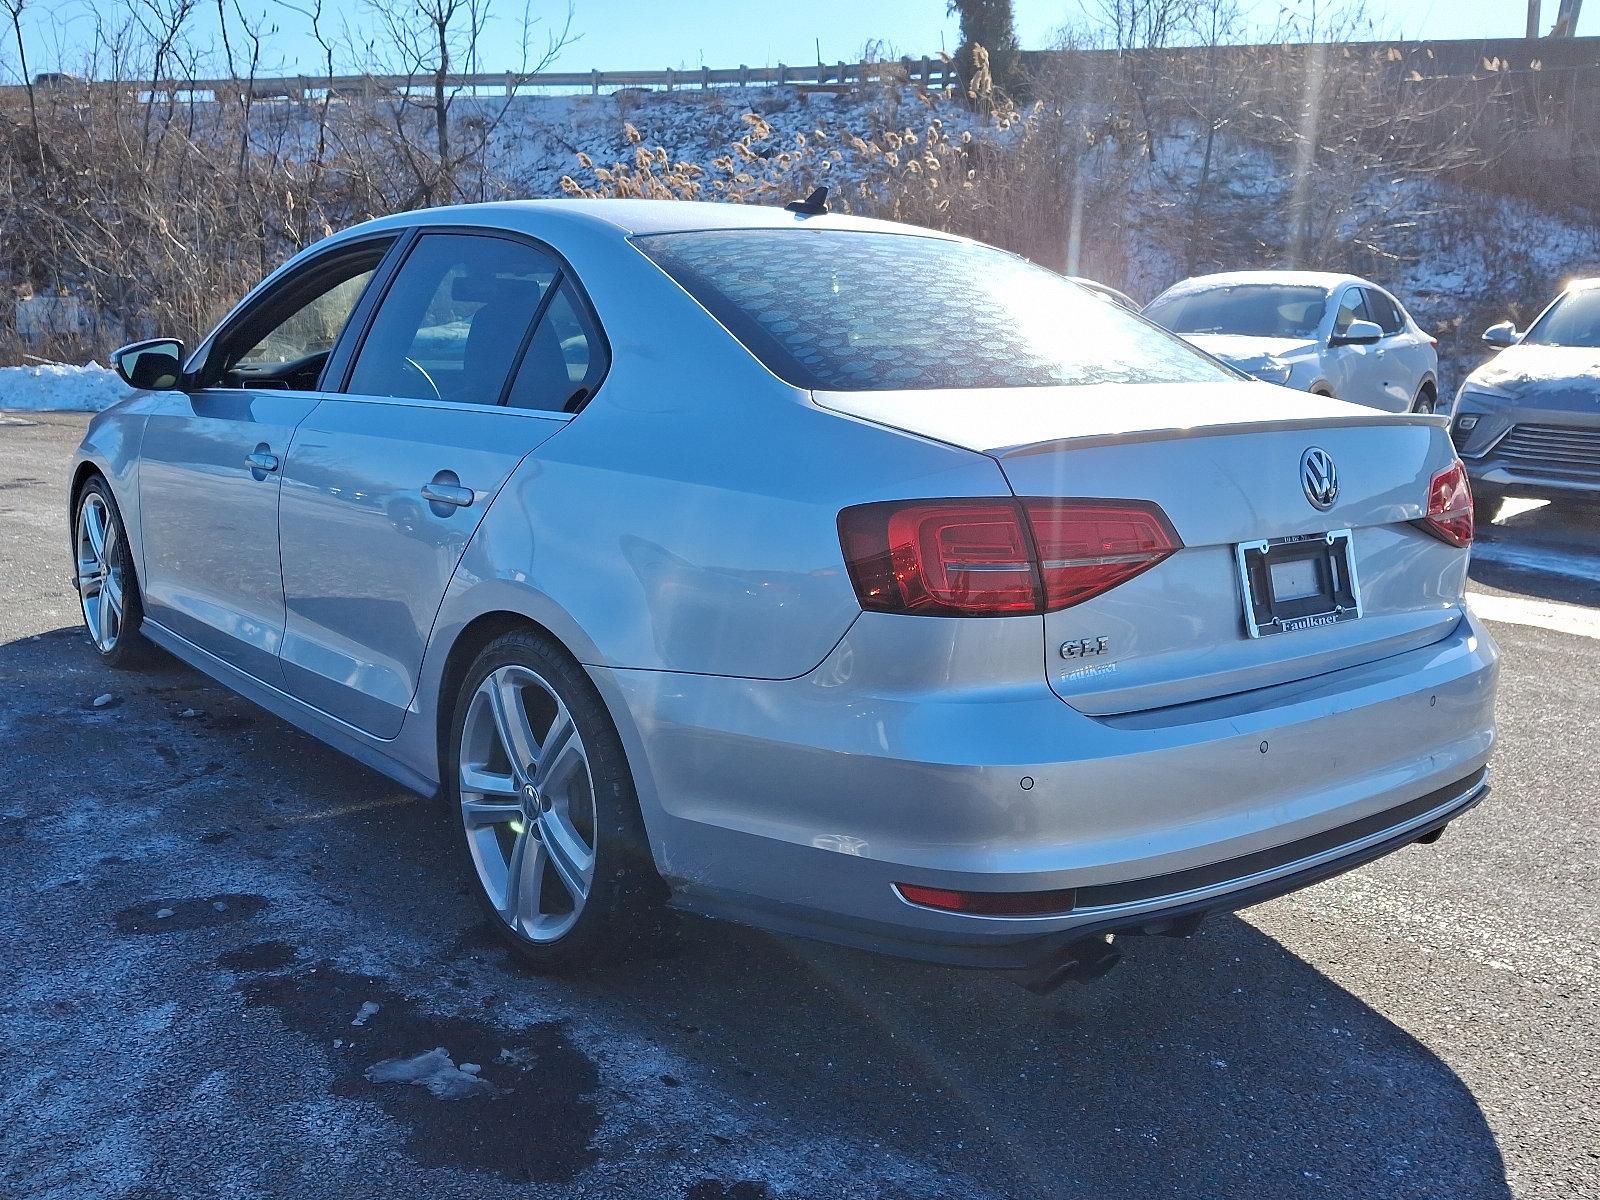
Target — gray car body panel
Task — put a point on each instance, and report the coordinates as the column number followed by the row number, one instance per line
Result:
column 795, row 757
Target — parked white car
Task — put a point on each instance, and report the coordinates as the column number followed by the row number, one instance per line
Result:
column 1335, row 335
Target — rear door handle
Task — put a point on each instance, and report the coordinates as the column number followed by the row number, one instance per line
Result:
column 452, row 494
column 260, row 460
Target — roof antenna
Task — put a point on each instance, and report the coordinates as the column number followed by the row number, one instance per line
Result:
column 813, row 205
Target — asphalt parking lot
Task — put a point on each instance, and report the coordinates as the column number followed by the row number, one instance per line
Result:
column 214, row 927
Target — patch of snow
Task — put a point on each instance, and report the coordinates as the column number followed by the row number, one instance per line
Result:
column 102, row 700
column 368, row 1009
column 432, row 1070
column 60, row 387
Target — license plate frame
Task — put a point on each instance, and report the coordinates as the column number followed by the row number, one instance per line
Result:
column 1325, row 560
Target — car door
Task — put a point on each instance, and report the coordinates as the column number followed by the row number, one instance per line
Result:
column 210, row 463
column 1356, row 372
column 1403, row 354
column 386, row 483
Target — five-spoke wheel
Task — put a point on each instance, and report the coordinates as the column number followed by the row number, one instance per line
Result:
column 107, row 590
column 527, row 803
column 548, row 816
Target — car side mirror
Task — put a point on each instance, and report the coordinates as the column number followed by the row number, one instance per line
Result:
column 154, row 366
column 1501, row 335
column 1358, row 333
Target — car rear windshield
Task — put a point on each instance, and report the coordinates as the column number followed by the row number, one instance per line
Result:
column 1260, row 310
column 1574, row 320
column 837, row 310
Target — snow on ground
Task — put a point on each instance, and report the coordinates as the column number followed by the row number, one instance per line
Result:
column 59, row 387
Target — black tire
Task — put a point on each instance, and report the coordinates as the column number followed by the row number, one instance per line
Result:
column 127, row 650
column 1427, row 400
column 625, row 908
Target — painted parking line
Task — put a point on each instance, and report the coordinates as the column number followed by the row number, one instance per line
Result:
column 1546, row 614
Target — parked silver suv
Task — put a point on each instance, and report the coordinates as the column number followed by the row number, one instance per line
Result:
column 1527, row 422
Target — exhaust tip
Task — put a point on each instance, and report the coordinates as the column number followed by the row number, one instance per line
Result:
column 1078, row 962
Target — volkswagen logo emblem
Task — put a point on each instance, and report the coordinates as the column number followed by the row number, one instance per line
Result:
column 1318, row 477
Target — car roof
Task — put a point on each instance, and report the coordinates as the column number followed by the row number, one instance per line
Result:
column 1326, row 280
column 630, row 217
column 1583, row 285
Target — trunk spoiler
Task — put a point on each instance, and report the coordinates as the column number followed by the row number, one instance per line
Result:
column 1229, row 429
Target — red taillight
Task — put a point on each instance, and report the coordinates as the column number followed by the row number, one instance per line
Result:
column 1450, row 506
column 1090, row 546
column 1433, row 341
column 990, row 904
column 1002, row 557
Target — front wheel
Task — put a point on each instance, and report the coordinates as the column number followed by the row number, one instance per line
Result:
column 549, row 822
column 108, row 589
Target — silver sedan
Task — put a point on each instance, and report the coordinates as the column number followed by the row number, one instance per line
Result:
column 842, row 577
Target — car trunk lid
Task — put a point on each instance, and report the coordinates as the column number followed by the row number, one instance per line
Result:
column 1223, row 461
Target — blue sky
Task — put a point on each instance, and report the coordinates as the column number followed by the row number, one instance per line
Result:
column 620, row 34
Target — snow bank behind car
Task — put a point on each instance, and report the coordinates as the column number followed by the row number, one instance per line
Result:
column 59, row 387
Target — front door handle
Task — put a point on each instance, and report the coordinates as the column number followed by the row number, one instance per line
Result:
column 451, row 494
column 260, row 460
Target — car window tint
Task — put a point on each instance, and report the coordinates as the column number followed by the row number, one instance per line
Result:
column 312, row 328
column 1384, row 311
column 1351, row 308
column 843, row 310
column 565, row 360
column 452, row 322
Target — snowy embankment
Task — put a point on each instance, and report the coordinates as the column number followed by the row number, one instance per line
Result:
column 59, row 387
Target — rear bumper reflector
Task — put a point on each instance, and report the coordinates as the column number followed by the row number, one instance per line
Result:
column 990, row 904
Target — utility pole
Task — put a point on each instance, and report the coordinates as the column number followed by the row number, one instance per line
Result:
column 1533, row 19
column 1566, row 19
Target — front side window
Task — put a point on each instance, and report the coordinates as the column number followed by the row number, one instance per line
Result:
column 1574, row 320
column 312, row 328
column 285, row 340
column 454, row 319
column 1384, row 311
column 1352, row 308
column 836, row 310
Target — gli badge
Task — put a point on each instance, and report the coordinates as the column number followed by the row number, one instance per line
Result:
column 1085, row 647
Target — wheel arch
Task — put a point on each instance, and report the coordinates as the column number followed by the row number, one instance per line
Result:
column 466, row 640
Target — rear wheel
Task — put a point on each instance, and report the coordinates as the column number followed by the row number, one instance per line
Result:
column 549, row 823
column 108, row 589
column 1427, row 400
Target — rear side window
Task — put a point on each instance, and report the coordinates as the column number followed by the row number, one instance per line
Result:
column 837, row 310
column 565, row 360
column 453, row 320
column 1384, row 311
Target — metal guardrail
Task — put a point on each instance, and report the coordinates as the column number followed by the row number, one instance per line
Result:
column 927, row 72
column 1459, row 57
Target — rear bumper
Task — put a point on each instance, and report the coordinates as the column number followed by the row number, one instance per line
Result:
column 798, row 805
column 1240, row 885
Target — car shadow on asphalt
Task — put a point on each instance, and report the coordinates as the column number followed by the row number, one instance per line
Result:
column 1547, row 550
column 1222, row 1065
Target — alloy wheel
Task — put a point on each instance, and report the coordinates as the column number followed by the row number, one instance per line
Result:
column 100, row 581
column 527, row 803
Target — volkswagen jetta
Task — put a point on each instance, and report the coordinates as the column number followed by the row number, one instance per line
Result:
column 838, row 576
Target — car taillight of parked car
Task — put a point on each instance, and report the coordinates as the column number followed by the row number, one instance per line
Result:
column 1450, row 506
column 998, row 557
